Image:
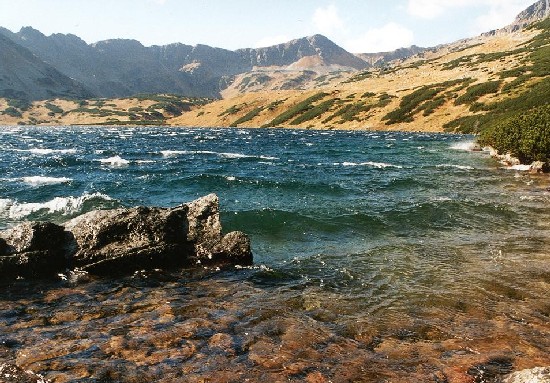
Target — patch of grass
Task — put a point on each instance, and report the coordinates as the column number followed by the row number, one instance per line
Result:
column 474, row 92
column 249, row 116
column 314, row 112
column 21, row 104
column 425, row 98
column 234, row 109
column 296, row 110
column 12, row 112
column 53, row 108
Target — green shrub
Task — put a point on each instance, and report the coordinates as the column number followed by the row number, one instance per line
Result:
column 313, row 112
column 53, row 108
column 476, row 91
column 296, row 110
column 526, row 136
column 11, row 111
column 20, row 104
column 249, row 116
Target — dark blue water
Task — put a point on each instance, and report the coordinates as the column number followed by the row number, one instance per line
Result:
column 386, row 226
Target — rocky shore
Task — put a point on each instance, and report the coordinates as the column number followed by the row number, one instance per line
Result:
column 121, row 241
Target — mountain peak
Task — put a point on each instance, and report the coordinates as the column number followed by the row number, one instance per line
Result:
column 538, row 11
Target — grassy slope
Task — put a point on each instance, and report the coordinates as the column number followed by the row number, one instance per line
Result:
column 451, row 89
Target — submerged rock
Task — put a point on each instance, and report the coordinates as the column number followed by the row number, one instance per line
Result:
column 123, row 240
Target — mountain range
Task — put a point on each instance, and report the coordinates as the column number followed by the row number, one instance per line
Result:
column 309, row 82
column 119, row 68
column 35, row 66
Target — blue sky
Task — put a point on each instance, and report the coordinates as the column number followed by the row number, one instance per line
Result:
column 360, row 26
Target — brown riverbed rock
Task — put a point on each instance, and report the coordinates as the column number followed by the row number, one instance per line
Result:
column 124, row 240
column 10, row 373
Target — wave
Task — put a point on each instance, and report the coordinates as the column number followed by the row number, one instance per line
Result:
column 44, row 151
column 379, row 165
column 465, row 146
column 115, row 161
column 65, row 206
column 461, row 167
column 175, row 153
column 521, row 168
column 42, row 180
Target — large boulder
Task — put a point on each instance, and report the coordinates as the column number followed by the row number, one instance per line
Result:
column 33, row 249
column 124, row 240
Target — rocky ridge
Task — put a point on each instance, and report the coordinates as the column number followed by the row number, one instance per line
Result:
column 123, row 240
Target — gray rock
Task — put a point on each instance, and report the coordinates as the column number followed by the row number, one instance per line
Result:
column 534, row 375
column 124, row 240
column 33, row 249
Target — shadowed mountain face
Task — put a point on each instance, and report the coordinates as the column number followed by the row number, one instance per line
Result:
column 117, row 68
column 35, row 66
column 25, row 76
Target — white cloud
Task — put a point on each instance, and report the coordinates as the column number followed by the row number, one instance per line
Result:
column 386, row 38
column 499, row 10
column 271, row 40
column 327, row 20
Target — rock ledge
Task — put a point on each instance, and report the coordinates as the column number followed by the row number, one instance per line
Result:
column 123, row 240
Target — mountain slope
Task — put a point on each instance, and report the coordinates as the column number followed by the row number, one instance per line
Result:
column 465, row 86
column 117, row 68
column 25, row 76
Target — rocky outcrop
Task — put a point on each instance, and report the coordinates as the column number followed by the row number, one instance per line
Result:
column 532, row 14
column 123, row 240
column 534, row 375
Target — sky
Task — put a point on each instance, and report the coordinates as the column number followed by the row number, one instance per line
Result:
column 359, row 26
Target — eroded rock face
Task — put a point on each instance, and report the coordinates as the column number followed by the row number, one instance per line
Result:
column 123, row 240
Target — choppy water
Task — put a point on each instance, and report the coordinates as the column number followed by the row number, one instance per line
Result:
column 378, row 257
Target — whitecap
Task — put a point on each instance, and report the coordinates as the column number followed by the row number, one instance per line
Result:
column 465, row 146
column 231, row 178
column 379, row 165
column 175, row 153
column 45, row 151
column 64, row 205
column 42, row 180
column 461, row 167
column 521, row 168
column 115, row 161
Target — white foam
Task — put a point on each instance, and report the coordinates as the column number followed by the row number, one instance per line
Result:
column 41, row 180
column 379, row 165
column 464, row 145
column 63, row 205
column 115, row 161
column 44, row 151
column 231, row 178
column 521, row 168
column 461, row 167
column 175, row 153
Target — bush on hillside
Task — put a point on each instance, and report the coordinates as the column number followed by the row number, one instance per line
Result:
column 526, row 136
